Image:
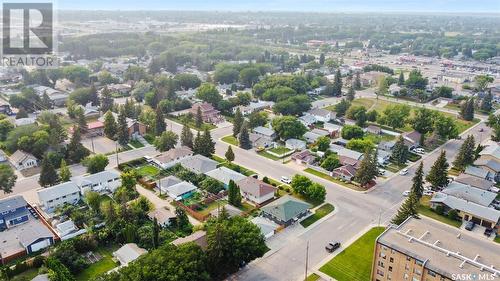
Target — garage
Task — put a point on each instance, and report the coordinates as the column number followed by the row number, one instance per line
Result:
column 40, row 245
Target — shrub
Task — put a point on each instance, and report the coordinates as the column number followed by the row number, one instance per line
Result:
column 453, row 214
column 439, row 209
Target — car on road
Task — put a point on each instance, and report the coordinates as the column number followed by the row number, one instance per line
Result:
column 381, row 172
column 406, row 193
column 332, row 246
column 286, row 180
column 403, row 172
column 481, row 130
column 488, row 231
column 470, row 225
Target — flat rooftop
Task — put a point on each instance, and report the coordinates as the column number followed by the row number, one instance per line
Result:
column 444, row 249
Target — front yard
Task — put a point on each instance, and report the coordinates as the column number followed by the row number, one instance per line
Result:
column 191, row 122
column 231, row 140
column 279, row 150
column 334, row 180
column 425, row 209
column 321, row 212
column 355, row 261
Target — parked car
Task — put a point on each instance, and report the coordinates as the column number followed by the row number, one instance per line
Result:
column 419, row 150
column 481, row 130
column 286, row 180
column 428, row 192
column 332, row 246
column 470, row 225
column 381, row 172
column 403, row 172
column 406, row 193
column 488, row 231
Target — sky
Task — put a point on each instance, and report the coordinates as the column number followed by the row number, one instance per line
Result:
column 452, row 6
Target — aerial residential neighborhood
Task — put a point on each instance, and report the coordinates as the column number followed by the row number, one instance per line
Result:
column 265, row 140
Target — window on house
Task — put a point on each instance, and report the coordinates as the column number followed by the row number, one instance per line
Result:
column 381, row 264
column 390, row 268
column 431, row 273
column 391, row 259
column 417, row 271
column 380, row 272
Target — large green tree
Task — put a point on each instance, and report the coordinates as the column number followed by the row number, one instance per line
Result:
column 160, row 125
column 229, row 154
column 166, row 141
column 96, row 163
column 237, row 122
column 400, row 151
column 64, row 172
column 418, row 181
column 288, row 127
column 186, row 136
column 438, row 174
column 367, row 170
column 408, row 209
column 110, row 126
column 48, row 174
column 466, row 154
column 234, row 196
column 244, row 138
column 7, row 178
column 122, row 130
column 75, row 150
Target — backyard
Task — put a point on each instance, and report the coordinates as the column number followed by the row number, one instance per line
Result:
column 148, row 171
column 321, row 212
column 355, row 261
column 104, row 265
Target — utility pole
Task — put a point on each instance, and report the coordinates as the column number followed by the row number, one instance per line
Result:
column 307, row 258
column 92, row 140
column 116, row 151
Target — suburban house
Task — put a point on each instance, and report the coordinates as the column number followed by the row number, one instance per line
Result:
column 22, row 160
column 199, row 164
column 89, row 110
column 135, row 128
column 479, row 172
column 333, row 129
column 167, row 182
column 208, row 113
column 58, row 98
column 313, row 135
column 307, row 120
column 94, row 129
column 394, row 89
column 265, row 132
column 320, row 114
column 412, row 139
column 386, row 145
column 295, row 144
column 199, row 238
column 490, row 165
column 35, row 237
column 105, row 181
column 346, row 172
column 472, row 204
column 304, row 157
column 13, row 212
column 128, row 253
column 164, row 217
column 255, row 190
column 383, row 157
column 286, row 210
column 372, row 129
column 121, row 89
column 491, row 151
column 253, row 107
column 181, row 190
column 349, row 154
column 267, row 227
column 55, row 196
column 476, row 182
column 258, row 139
column 171, row 157
column 225, row 175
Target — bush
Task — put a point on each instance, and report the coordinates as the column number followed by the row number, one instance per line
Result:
column 439, row 209
column 38, row 261
column 266, row 180
column 453, row 215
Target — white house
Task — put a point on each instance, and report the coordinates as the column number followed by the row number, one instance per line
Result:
column 105, row 181
column 23, row 160
column 322, row 115
column 171, row 157
column 256, row 190
column 64, row 193
column 307, row 120
column 128, row 253
column 225, row 175
column 295, row 144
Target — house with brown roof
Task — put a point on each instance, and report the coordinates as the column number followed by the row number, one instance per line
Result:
column 346, row 172
column 304, row 157
column 208, row 113
column 412, row 139
column 256, row 190
column 135, row 128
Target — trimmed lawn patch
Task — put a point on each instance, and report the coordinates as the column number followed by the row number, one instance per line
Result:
column 497, row 239
column 425, row 209
column 212, row 206
column 279, row 150
column 322, row 211
column 367, row 103
column 332, row 179
column 268, row 155
column 232, row 166
column 191, row 123
column 231, row 140
column 136, row 143
column 100, row 267
column 312, row 277
column 148, row 170
column 354, row 262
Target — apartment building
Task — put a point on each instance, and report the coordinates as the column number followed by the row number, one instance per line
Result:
column 427, row 250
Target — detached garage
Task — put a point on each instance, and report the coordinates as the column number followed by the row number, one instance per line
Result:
column 36, row 238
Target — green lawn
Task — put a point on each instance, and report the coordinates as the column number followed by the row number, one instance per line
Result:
column 354, row 262
column 148, row 170
column 100, row 267
column 26, row 276
column 332, row 179
column 268, row 155
column 136, row 143
column 232, row 166
column 378, row 138
column 425, row 209
column 191, row 123
column 497, row 239
column 212, row 206
column 312, row 277
column 280, row 150
column 322, row 211
column 394, row 168
column 231, row 140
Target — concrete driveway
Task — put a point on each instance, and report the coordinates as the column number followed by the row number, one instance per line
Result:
column 100, row 144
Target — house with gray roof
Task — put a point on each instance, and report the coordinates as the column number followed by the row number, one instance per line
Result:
column 286, row 210
column 36, row 237
column 265, row 132
column 295, row 144
column 321, row 114
column 489, row 164
column 171, row 157
column 267, row 227
column 13, row 211
column 55, row 196
column 225, row 175
column 307, row 120
column 163, row 216
column 128, row 253
column 475, row 181
column 199, row 164
column 469, row 193
column 22, row 160
column 167, row 182
column 491, row 151
column 478, row 172
column 106, row 181
column 255, row 190
column 181, row 190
